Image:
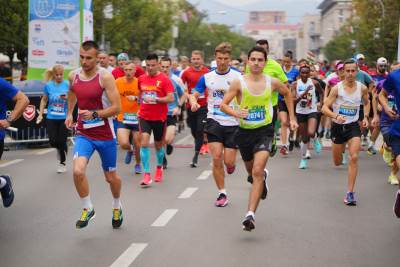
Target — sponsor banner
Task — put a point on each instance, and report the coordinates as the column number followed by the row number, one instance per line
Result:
column 87, row 20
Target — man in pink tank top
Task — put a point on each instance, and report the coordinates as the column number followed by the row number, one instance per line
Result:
column 94, row 90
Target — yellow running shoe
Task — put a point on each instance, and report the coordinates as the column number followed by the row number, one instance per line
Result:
column 387, row 156
column 393, row 179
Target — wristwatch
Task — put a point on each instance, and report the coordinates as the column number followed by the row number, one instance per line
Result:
column 95, row 115
column 9, row 119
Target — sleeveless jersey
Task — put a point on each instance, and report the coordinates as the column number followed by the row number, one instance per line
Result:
column 309, row 104
column 348, row 105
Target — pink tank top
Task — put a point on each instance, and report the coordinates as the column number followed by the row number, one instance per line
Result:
column 91, row 96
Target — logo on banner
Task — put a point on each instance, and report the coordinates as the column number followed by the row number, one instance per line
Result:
column 38, row 28
column 29, row 113
column 64, row 52
column 44, row 8
column 38, row 53
column 37, row 41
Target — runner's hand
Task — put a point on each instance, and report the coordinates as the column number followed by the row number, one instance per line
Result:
column 175, row 111
column 340, row 119
column 85, row 114
column 365, row 122
column 242, row 113
column 69, row 122
column 194, row 107
column 391, row 113
column 293, row 125
column 375, row 121
column 131, row 97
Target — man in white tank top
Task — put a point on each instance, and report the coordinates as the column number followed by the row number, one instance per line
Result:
column 343, row 106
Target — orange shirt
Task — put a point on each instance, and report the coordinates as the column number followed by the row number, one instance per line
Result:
column 128, row 89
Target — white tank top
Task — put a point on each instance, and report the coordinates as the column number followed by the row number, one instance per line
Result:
column 348, row 105
column 309, row 104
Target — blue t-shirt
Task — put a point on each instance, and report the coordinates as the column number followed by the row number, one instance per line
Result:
column 364, row 78
column 292, row 74
column 57, row 107
column 7, row 93
column 385, row 120
column 392, row 87
column 178, row 92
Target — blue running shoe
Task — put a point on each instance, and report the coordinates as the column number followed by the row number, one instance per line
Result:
column 138, row 169
column 7, row 192
column 128, row 157
column 303, row 164
column 350, row 200
column 317, row 146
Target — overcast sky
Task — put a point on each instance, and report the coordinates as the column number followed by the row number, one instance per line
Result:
column 237, row 10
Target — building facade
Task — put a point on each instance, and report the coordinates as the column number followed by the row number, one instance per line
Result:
column 309, row 37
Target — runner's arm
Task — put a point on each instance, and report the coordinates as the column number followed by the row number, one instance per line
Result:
column 235, row 90
column 113, row 96
column 21, row 102
column 365, row 99
column 287, row 96
column 320, row 91
column 326, row 108
column 71, row 97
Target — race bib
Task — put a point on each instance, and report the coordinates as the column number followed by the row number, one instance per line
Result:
column 88, row 124
column 256, row 115
column 217, row 111
column 153, row 95
column 130, row 118
column 348, row 111
column 57, row 109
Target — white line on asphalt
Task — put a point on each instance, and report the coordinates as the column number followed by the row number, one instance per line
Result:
column 184, row 140
column 164, row 218
column 15, row 161
column 188, row 192
column 45, row 151
column 129, row 255
column 204, row 175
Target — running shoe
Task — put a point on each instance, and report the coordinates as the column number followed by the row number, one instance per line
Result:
column 291, row 145
column 86, row 216
column 61, row 168
column 117, row 218
column 350, row 200
column 222, row 200
column 165, row 163
column 296, row 144
column 128, row 157
column 193, row 164
column 249, row 223
column 387, row 156
column 303, row 164
column 393, row 179
column 308, row 154
column 396, row 207
column 364, row 141
column 146, row 180
column 203, row 149
column 317, row 146
column 7, row 192
column 138, row 169
column 230, row 169
column 284, row 150
column 344, row 158
column 169, row 149
column 250, row 179
column 158, row 177
column 265, row 187
column 371, row 150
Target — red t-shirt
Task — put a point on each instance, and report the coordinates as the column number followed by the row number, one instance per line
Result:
column 190, row 76
column 154, row 86
column 118, row 72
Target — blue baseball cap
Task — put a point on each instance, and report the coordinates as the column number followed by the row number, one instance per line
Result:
column 123, row 56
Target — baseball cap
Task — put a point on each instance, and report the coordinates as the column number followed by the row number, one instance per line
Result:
column 339, row 65
column 381, row 61
column 123, row 56
column 360, row 56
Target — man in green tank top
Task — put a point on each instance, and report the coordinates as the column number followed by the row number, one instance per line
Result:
column 253, row 93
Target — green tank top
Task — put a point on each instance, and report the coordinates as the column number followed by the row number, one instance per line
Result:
column 259, row 106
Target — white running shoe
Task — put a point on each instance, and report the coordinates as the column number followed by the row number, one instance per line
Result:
column 308, row 154
column 61, row 168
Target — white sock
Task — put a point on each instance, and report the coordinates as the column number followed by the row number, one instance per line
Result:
column 303, row 149
column 251, row 213
column 3, row 182
column 222, row 191
column 87, row 203
column 116, row 204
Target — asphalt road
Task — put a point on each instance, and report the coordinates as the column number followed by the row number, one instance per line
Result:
column 175, row 223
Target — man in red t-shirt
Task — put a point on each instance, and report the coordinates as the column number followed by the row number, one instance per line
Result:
column 156, row 91
column 122, row 59
column 196, row 120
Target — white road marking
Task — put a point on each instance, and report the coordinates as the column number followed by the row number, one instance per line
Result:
column 204, row 175
column 45, row 151
column 129, row 255
column 164, row 218
column 15, row 161
column 185, row 140
column 188, row 192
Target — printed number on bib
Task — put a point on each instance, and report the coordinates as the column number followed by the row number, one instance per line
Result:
column 88, row 124
column 130, row 118
column 348, row 111
column 152, row 95
column 256, row 115
column 57, row 109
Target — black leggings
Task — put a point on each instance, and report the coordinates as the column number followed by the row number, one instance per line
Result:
column 196, row 121
column 58, row 134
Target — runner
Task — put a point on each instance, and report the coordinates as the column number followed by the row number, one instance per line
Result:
column 196, row 120
column 220, row 128
column 173, row 107
column 112, row 60
column 254, row 96
column 104, row 61
column 128, row 123
column 304, row 91
column 9, row 93
column 345, row 98
column 156, row 91
column 292, row 74
column 55, row 94
column 93, row 89
column 392, row 87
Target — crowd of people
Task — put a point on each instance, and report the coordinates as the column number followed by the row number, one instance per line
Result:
column 243, row 105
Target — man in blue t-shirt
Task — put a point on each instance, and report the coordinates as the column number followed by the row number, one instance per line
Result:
column 8, row 93
column 392, row 87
